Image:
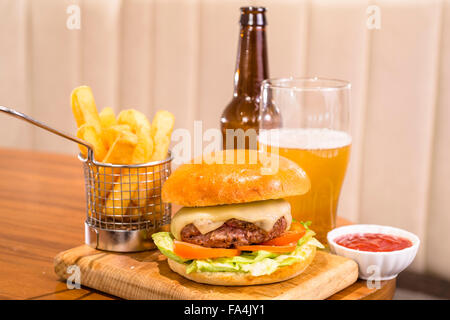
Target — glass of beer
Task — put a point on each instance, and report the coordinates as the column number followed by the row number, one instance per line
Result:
column 307, row 120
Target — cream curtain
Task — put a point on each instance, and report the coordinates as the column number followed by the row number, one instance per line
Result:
column 180, row 55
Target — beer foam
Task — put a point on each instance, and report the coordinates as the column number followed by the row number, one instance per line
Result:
column 307, row 139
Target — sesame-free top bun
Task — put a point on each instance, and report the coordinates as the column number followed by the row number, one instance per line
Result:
column 242, row 278
column 235, row 176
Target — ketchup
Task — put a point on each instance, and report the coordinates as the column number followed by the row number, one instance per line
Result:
column 373, row 242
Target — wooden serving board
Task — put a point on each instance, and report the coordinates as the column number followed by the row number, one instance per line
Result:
column 146, row 275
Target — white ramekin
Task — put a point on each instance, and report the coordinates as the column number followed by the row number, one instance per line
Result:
column 376, row 265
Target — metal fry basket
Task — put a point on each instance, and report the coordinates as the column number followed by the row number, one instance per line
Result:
column 123, row 202
column 124, row 205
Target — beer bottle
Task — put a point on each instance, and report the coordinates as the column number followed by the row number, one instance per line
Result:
column 251, row 69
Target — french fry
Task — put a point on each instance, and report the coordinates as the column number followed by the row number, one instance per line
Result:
column 84, row 108
column 124, row 191
column 126, row 187
column 142, row 153
column 162, row 126
column 161, row 130
column 133, row 212
column 128, row 184
column 135, row 119
column 107, row 118
column 110, row 134
column 88, row 133
column 106, row 177
column 120, row 197
column 121, row 151
column 144, row 148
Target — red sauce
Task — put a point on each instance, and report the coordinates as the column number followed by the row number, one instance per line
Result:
column 373, row 242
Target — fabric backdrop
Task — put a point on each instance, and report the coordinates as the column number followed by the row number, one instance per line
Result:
column 180, row 55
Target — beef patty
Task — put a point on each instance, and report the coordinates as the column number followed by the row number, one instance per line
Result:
column 232, row 233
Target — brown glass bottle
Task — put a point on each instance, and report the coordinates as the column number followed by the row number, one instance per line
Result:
column 251, row 69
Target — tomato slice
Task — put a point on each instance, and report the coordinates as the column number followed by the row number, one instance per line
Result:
column 296, row 231
column 187, row 250
column 287, row 248
column 297, row 227
column 284, row 239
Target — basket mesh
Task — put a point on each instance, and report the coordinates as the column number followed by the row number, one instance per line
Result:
column 126, row 198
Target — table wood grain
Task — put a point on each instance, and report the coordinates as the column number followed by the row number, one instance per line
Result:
column 42, row 211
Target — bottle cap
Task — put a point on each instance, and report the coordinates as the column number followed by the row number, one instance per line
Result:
column 253, row 16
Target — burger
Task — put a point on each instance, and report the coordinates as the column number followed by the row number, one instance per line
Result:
column 235, row 227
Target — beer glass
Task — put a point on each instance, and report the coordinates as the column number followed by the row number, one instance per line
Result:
column 307, row 120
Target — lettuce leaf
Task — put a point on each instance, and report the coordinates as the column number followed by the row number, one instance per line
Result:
column 164, row 242
column 257, row 263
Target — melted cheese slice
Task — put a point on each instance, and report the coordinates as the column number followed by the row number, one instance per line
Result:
column 264, row 214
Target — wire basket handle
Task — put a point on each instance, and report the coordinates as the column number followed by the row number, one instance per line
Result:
column 22, row 116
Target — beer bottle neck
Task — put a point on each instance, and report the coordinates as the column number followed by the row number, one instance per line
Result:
column 251, row 65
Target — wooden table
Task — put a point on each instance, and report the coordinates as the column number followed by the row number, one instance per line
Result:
column 42, row 210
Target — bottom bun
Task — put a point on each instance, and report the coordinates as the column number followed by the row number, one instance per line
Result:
column 243, row 278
